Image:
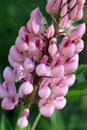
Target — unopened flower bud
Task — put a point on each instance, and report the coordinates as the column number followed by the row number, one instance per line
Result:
column 63, row 22
column 70, row 80
column 72, row 64
column 22, row 122
column 64, row 10
column 11, row 60
column 29, row 65
column 3, row 92
column 58, row 70
column 41, row 69
column 68, row 51
column 15, row 54
column 73, row 13
column 52, row 49
column 79, row 45
column 21, row 44
column 59, row 103
column 72, row 3
column 25, row 112
column 9, row 75
column 44, row 92
column 60, row 90
column 77, row 32
column 7, row 104
column 56, row 6
column 47, row 110
column 50, row 31
column 25, row 89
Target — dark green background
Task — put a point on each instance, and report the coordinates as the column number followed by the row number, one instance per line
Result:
column 14, row 14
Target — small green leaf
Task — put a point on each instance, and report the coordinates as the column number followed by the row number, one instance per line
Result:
column 73, row 93
column 5, row 124
column 80, row 85
column 80, row 69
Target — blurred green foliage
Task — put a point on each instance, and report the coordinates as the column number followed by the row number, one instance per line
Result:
column 14, row 14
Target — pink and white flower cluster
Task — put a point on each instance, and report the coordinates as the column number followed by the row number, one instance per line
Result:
column 65, row 11
column 41, row 64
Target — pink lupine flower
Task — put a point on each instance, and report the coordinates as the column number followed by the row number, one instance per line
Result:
column 72, row 3
column 47, row 110
column 6, row 89
column 14, row 97
column 63, row 2
column 50, row 31
column 64, row 10
column 15, row 54
column 11, row 60
column 49, row 6
column 9, row 75
column 3, row 92
column 25, row 89
column 63, row 21
column 24, row 34
column 7, row 104
column 79, row 45
column 32, row 49
column 34, row 24
column 79, row 14
column 41, row 69
column 25, row 112
column 52, row 49
column 60, row 90
column 58, row 70
column 22, row 122
column 59, row 103
column 20, row 44
column 29, row 65
column 73, row 12
column 56, row 7
column 10, row 87
column 69, row 80
column 19, row 71
column 49, row 71
column 77, row 32
column 44, row 67
column 44, row 92
column 44, row 59
column 72, row 64
column 53, row 6
column 67, row 47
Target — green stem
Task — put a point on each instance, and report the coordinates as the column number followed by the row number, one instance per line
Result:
column 36, row 121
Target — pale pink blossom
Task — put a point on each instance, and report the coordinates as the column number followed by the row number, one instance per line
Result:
column 7, row 104
column 77, row 32
column 52, row 49
column 72, row 64
column 29, row 65
column 9, row 75
column 44, row 92
column 21, row 44
column 22, row 122
column 25, row 89
column 58, row 70
column 60, row 90
column 47, row 110
column 59, row 103
column 50, row 31
column 41, row 69
column 25, row 112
